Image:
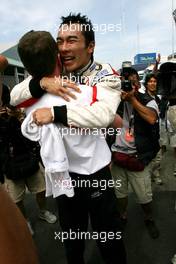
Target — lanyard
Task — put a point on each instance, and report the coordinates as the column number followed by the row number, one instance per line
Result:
column 131, row 122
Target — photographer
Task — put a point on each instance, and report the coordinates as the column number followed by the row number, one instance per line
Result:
column 135, row 147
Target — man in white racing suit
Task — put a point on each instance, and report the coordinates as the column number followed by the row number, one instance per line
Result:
column 76, row 52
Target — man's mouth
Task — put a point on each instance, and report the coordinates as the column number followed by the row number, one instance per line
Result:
column 67, row 59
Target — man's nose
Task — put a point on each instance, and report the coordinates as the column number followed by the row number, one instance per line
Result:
column 64, row 47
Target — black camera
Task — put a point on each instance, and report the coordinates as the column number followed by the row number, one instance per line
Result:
column 126, row 85
column 125, row 72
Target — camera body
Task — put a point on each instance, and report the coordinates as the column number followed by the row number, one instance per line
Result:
column 125, row 72
column 126, row 85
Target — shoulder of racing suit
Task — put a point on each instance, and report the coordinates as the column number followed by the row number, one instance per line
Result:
column 108, row 90
column 101, row 73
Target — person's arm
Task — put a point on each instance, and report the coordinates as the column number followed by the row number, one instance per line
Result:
column 155, row 68
column 31, row 89
column 20, row 92
column 100, row 114
column 146, row 112
column 117, row 122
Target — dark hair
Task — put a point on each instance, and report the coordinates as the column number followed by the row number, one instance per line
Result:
column 86, row 26
column 167, row 79
column 5, row 95
column 38, row 52
column 128, row 71
column 148, row 77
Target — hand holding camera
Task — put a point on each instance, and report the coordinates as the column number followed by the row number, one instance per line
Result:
column 126, row 85
column 128, row 95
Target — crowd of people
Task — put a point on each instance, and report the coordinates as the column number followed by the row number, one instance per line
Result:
column 66, row 91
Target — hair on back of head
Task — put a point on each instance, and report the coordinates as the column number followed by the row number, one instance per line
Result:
column 129, row 71
column 38, row 52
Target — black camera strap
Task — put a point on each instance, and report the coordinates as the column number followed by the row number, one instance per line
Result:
column 131, row 122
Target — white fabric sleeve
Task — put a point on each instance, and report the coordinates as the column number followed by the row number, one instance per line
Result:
column 101, row 113
column 20, row 92
column 153, row 104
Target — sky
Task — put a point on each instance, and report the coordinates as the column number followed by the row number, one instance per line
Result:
column 123, row 28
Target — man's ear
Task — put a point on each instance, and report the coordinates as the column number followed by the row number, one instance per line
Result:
column 91, row 47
